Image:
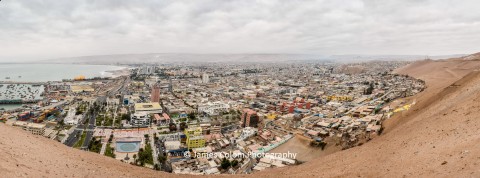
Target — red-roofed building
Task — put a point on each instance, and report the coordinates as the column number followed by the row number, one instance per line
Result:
column 164, row 119
column 249, row 118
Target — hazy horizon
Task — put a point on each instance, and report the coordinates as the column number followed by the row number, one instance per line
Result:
column 42, row 30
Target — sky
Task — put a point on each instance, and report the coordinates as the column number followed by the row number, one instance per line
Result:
column 47, row 29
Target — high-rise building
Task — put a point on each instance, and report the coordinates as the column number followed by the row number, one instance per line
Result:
column 170, row 85
column 155, row 95
column 249, row 118
column 205, row 78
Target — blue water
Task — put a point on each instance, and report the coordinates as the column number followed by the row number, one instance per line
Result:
column 52, row 72
column 127, row 147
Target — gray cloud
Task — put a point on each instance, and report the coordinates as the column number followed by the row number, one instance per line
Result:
column 40, row 29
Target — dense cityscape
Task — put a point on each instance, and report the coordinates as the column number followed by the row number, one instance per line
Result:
column 214, row 118
column 266, row 88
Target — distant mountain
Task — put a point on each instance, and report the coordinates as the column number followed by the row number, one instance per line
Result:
column 184, row 58
column 471, row 57
column 237, row 58
column 391, row 57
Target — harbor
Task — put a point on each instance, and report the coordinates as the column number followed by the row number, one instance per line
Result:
column 21, row 93
column 24, row 84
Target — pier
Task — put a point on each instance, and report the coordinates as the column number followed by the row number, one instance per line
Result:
column 19, row 101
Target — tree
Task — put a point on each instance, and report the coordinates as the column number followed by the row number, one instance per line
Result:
column 183, row 126
column 78, row 112
column 191, row 116
column 126, row 117
column 110, row 138
column 369, row 90
column 156, row 167
column 172, row 127
column 234, row 163
column 145, row 155
column 95, row 145
column 61, row 123
column 225, row 163
column 161, row 158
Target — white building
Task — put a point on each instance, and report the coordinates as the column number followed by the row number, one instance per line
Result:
column 172, row 145
column 205, row 78
column 71, row 118
column 214, row 108
column 140, row 119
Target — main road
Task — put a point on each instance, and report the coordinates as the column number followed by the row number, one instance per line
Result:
column 76, row 134
column 90, row 130
column 92, row 120
column 90, row 127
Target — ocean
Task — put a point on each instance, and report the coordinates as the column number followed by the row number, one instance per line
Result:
column 52, row 72
column 48, row 72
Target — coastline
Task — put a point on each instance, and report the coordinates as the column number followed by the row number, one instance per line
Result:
column 111, row 71
column 123, row 71
column 36, row 72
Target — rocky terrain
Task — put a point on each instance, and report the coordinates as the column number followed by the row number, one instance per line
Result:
column 437, row 137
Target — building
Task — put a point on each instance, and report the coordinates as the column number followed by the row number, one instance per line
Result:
column 213, row 108
column 163, row 119
column 195, row 138
column 172, row 145
column 140, row 119
column 34, row 128
column 195, row 142
column 216, row 129
column 249, row 118
column 151, row 108
column 71, row 118
column 81, row 88
column 205, row 128
column 155, row 95
column 205, row 78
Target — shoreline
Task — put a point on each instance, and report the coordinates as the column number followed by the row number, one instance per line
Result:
column 119, row 72
column 112, row 71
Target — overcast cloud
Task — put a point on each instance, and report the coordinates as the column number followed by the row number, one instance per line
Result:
column 43, row 29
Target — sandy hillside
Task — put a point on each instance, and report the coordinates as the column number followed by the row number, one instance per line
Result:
column 438, row 137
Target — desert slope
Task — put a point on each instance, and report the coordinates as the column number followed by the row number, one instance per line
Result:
column 26, row 155
column 438, row 137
